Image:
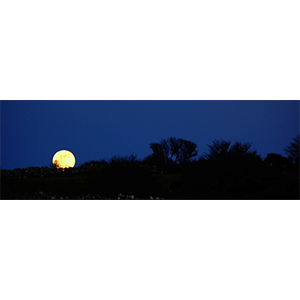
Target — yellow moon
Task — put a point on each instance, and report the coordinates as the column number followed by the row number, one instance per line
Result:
column 63, row 159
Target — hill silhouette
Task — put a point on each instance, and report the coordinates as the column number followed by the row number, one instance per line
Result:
column 239, row 173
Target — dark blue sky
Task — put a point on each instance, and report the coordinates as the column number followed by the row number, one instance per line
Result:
column 32, row 131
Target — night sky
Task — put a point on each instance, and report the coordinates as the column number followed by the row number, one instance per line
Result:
column 33, row 131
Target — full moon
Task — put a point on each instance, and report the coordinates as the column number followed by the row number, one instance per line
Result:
column 63, row 159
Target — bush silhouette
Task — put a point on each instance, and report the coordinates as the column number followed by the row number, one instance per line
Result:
column 277, row 162
column 123, row 175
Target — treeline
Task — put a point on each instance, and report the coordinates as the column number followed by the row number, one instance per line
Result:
column 174, row 170
column 226, row 171
column 177, row 151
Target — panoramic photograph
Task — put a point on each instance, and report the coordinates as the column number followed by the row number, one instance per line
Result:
column 142, row 149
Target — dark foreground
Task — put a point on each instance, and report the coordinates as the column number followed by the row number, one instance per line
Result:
column 239, row 179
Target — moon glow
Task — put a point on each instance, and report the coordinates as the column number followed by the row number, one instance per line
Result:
column 63, row 159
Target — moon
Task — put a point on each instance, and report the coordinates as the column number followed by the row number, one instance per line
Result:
column 63, row 159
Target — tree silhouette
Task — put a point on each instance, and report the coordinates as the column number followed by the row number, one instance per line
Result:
column 172, row 150
column 293, row 150
column 220, row 150
column 184, row 151
column 241, row 150
column 160, row 153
